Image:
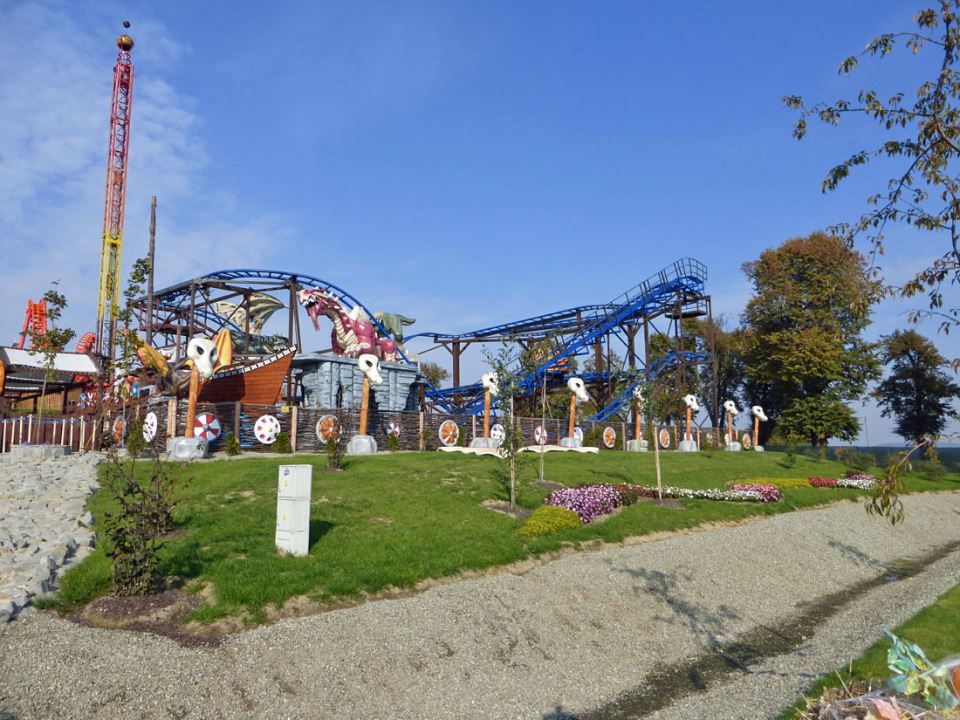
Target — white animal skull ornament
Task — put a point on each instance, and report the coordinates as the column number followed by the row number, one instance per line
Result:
column 691, row 402
column 731, row 407
column 490, row 383
column 370, row 366
column 575, row 385
column 203, row 353
column 758, row 413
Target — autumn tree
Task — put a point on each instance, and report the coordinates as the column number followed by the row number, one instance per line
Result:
column 803, row 346
column 917, row 392
column 435, row 373
column 920, row 137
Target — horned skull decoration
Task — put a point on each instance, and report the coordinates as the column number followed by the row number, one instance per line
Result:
column 758, row 413
column 203, row 354
column 575, row 385
column 370, row 366
column 731, row 407
column 691, row 402
column 490, row 383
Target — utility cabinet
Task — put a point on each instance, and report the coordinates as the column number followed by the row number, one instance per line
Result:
column 293, row 508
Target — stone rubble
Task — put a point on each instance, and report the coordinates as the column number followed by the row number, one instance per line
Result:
column 44, row 523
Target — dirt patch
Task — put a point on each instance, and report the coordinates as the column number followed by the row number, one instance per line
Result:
column 160, row 614
column 504, row 508
column 547, row 485
column 666, row 502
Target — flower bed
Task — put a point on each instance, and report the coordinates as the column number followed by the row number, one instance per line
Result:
column 858, row 480
column 750, row 494
column 782, row 483
column 822, row 482
column 588, row 501
column 769, row 493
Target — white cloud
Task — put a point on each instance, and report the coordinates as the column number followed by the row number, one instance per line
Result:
column 55, row 85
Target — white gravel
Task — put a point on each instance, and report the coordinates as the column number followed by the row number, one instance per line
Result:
column 567, row 637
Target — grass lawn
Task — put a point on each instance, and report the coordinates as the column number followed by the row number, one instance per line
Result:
column 936, row 629
column 393, row 520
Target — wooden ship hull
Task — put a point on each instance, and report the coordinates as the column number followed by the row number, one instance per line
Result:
column 258, row 383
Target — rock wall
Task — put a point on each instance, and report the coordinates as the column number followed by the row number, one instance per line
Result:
column 44, row 523
column 332, row 381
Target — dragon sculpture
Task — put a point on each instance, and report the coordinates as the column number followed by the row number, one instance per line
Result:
column 353, row 333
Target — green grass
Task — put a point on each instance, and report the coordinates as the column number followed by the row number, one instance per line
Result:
column 936, row 629
column 395, row 519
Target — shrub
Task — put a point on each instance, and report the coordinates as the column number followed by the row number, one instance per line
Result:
column 335, row 447
column 782, row 483
column 393, row 443
column 588, row 501
column 789, row 457
column 232, row 445
column 547, row 520
column 282, row 444
column 593, row 437
column 768, row 493
column 854, row 458
column 822, row 482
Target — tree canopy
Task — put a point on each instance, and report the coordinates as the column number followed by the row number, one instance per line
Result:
column 923, row 132
column 804, row 351
column 917, row 392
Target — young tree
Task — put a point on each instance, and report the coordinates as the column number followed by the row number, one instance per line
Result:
column 803, row 343
column 50, row 343
column 923, row 133
column 504, row 364
column 917, row 392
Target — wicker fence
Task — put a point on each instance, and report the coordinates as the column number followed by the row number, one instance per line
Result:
column 413, row 430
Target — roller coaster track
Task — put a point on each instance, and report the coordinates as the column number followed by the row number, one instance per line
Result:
column 684, row 279
column 681, row 283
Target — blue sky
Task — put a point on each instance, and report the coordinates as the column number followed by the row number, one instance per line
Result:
column 463, row 163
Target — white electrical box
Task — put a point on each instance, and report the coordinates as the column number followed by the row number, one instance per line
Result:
column 293, row 508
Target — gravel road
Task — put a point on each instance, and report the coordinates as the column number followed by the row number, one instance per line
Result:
column 726, row 618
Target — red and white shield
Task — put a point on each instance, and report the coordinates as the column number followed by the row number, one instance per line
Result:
column 266, row 428
column 207, row 427
column 393, row 429
column 541, row 435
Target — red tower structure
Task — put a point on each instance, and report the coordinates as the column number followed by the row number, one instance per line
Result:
column 113, row 211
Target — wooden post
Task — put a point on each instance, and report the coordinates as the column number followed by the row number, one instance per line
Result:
column 689, row 435
column 293, row 428
column 29, row 429
column 364, row 405
column 636, row 420
column 151, row 255
column 455, row 351
column 731, row 437
column 192, row 401
column 486, row 414
column 756, row 431
column 573, row 416
column 3, row 437
column 172, row 418
column 236, row 420
column 423, row 443
column 72, row 423
column 20, row 434
column 83, row 427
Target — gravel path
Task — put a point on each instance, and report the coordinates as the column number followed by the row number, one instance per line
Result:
column 575, row 637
